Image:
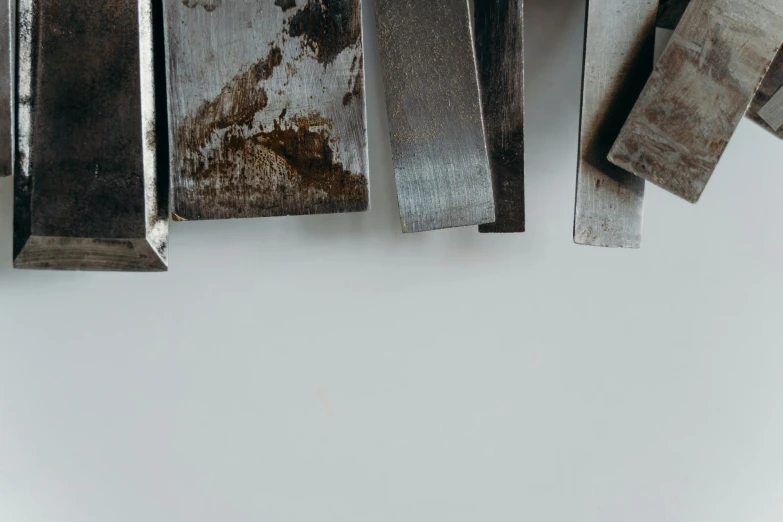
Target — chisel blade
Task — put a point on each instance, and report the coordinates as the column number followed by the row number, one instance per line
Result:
column 698, row 93
column 619, row 52
column 7, row 21
column 435, row 123
column 267, row 108
column 499, row 35
column 767, row 107
column 88, row 191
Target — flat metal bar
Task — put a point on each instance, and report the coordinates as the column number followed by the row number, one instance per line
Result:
column 433, row 104
column 267, row 108
column 499, row 35
column 88, row 195
column 698, row 93
column 619, row 53
column 767, row 107
column 7, row 21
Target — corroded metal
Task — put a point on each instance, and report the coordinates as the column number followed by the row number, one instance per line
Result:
column 698, row 93
column 499, row 35
column 433, row 104
column 88, row 194
column 619, row 51
column 267, row 109
column 7, row 21
column 767, row 107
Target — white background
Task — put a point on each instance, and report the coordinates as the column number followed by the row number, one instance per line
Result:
column 332, row 369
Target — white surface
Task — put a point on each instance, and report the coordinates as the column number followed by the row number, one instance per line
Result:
column 331, row 369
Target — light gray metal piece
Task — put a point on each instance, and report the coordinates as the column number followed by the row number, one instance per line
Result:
column 7, row 22
column 433, row 105
column 698, row 93
column 88, row 195
column 267, row 108
column 772, row 111
column 619, row 49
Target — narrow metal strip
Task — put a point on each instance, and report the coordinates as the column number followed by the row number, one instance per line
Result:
column 433, row 105
column 499, row 33
column 7, row 21
column 698, row 93
column 267, row 108
column 88, row 195
column 619, row 49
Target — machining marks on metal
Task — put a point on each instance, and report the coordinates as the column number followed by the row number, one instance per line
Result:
column 619, row 49
column 499, row 35
column 267, row 109
column 699, row 91
column 88, row 192
column 433, row 104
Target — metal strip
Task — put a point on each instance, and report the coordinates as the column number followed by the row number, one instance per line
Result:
column 433, row 105
column 500, row 55
column 88, row 194
column 267, row 108
column 700, row 89
column 619, row 51
column 764, row 107
column 7, row 20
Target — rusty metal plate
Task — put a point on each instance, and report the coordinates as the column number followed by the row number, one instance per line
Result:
column 699, row 91
column 267, row 108
column 6, row 81
column 433, row 104
column 619, row 53
column 499, row 35
column 88, row 195
column 767, row 107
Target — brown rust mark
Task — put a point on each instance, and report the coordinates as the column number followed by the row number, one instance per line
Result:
column 327, row 27
column 357, row 82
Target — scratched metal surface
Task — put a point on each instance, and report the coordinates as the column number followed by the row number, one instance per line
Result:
column 267, row 108
column 499, row 35
column 619, row 52
column 6, row 123
column 767, row 107
column 87, row 193
column 699, row 91
column 433, row 104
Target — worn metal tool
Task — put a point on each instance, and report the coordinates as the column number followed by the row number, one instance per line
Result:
column 267, row 109
column 433, row 105
column 619, row 49
column 7, row 22
column 90, row 194
column 698, row 93
column 499, row 35
column 767, row 107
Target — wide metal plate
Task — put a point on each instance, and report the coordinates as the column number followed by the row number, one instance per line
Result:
column 267, row 108
column 6, row 82
column 767, row 107
column 499, row 34
column 433, row 105
column 619, row 52
column 699, row 91
column 88, row 194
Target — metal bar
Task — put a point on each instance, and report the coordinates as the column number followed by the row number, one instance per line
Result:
column 88, row 194
column 7, row 21
column 433, row 105
column 699, row 91
column 619, row 52
column 499, row 35
column 267, row 108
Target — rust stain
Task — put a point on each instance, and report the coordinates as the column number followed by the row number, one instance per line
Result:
column 327, row 27
column 208, row 5
column 357, row 82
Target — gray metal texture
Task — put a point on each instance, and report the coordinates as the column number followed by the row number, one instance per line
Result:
column 87, row 192
column 619, row 53
column 7, row 7
column 267, row 107
column 699, row 91
column 767, row 107
column 499, row 34
column 433, row 105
